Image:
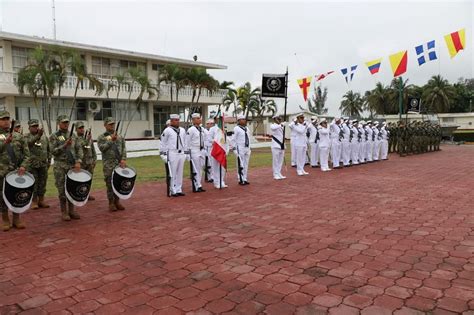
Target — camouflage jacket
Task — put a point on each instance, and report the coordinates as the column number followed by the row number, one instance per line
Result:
column 13, row 155
column 112, row 151
column 40, row 154
column 69, row 156
column 88, row 150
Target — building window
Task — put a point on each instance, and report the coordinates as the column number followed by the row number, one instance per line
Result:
column 101, row 67
column 105, row 111
column 448, row 119
column 19, row 58
column 81, row 110
column 155, row 67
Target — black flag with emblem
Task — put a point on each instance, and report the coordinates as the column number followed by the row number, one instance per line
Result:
column 274, row 85
column 414, row 104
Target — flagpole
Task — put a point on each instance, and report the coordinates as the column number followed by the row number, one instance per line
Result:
column 400, row 98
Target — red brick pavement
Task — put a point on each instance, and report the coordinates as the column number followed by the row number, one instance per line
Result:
column 389, row 237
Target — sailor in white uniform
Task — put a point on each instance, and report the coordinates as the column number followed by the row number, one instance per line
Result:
column 195, row 140
column 370, row 142
column 345, row 143
column 241, row 147
column 385, row 135
column 324, row 145
column 362, row 142
column 207, row 148
column 292, row 147
column 172, row 147
column 278, row 146
column 354, row 142
column 300, row 144
column 377, row 141
column 218, row 172
column 335, row 135
column 314, row 142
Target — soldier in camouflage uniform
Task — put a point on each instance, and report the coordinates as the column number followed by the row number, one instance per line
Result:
column 40, row 160
column 114, row 153
column 18, row 158
column 67, row 153
column 89, row 158
column 17, row 127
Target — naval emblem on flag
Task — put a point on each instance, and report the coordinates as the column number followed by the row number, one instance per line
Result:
column 426, row 52
column 274, row 85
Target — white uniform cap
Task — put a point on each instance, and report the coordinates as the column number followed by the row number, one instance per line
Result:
column 376, row 122
column 384, row 123
column 276, row 116
column 239, row 117
column 323, row 120
column 355, row 121
column 210, row 121
column 368, row 122
column 314, row 118
column 196, row 115
column 174, row 116
column 362, row 122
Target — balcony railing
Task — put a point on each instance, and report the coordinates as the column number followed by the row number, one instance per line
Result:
column 9, row 78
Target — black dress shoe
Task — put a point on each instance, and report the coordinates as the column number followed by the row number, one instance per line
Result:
column 246, row 183
column 180, row 194
column 314, row 166
column 242, row 183
column 293, row 166
column 200, row 189
column 174, row 195
column 210, row 181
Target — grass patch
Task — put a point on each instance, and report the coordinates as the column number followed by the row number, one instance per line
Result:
column 151, row 168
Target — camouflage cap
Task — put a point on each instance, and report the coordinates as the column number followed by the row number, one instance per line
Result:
column 17, row 123
column 109, row 121
column 4, row 114
column 62, row 118
column 79, row 124
column 33, row 122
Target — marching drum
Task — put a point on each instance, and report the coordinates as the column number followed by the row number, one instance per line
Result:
column 78, row 187
column 18, row 191
column 123, row 181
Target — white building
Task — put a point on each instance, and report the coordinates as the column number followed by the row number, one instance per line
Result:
column 103, row 63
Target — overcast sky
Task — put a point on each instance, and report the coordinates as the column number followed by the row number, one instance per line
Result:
column 252, row 38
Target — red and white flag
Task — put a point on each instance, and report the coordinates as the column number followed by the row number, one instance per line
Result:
column 319, row 77
column 218, row 151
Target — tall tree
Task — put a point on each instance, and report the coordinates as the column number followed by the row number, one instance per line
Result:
column 317, row 102
column 378, row 100
column 351, row 104
column 247, row 98
column 438, row 94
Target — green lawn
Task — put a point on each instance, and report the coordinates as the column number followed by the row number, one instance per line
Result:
column 151, row 168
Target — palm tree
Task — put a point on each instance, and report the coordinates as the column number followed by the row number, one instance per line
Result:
column 146, row 87
column 79, row 70
column 318, row 101
column 394, row 94
column 378, row 100
column 261, row 108
column 438, row 94
column 247, row 99
column 40, row 77
column 169, row 74
column 351, row 104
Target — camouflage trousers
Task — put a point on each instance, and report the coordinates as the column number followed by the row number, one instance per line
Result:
column 3, row 206
column 109, row 166
column 41, row 178
column 88, row 167
column 60, row 170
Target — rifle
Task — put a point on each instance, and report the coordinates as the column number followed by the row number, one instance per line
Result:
column 239, row 166
column 341, row 133
column 88, row 132
column 351, row 134
column 193, row 172
column 206, row 168
column 118, row 156
column 10, row 151
column 169, row 176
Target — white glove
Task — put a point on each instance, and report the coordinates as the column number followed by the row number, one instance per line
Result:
column 164, row 157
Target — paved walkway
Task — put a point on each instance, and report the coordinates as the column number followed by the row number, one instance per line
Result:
column 389, row 237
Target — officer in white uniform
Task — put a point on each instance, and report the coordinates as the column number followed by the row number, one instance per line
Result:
column 173, row 145
column 300, row 144
column 324, row 144
column 241, row 147
column 208, row 147
column 377, row 141
column 292, row 138
column 369, row 145
column 218, row 172
column 278, row 146
column 335, row 133
column 354, row 142
column 385, row 135
column 314, row 142
column 345, row 143
column 196, row 142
